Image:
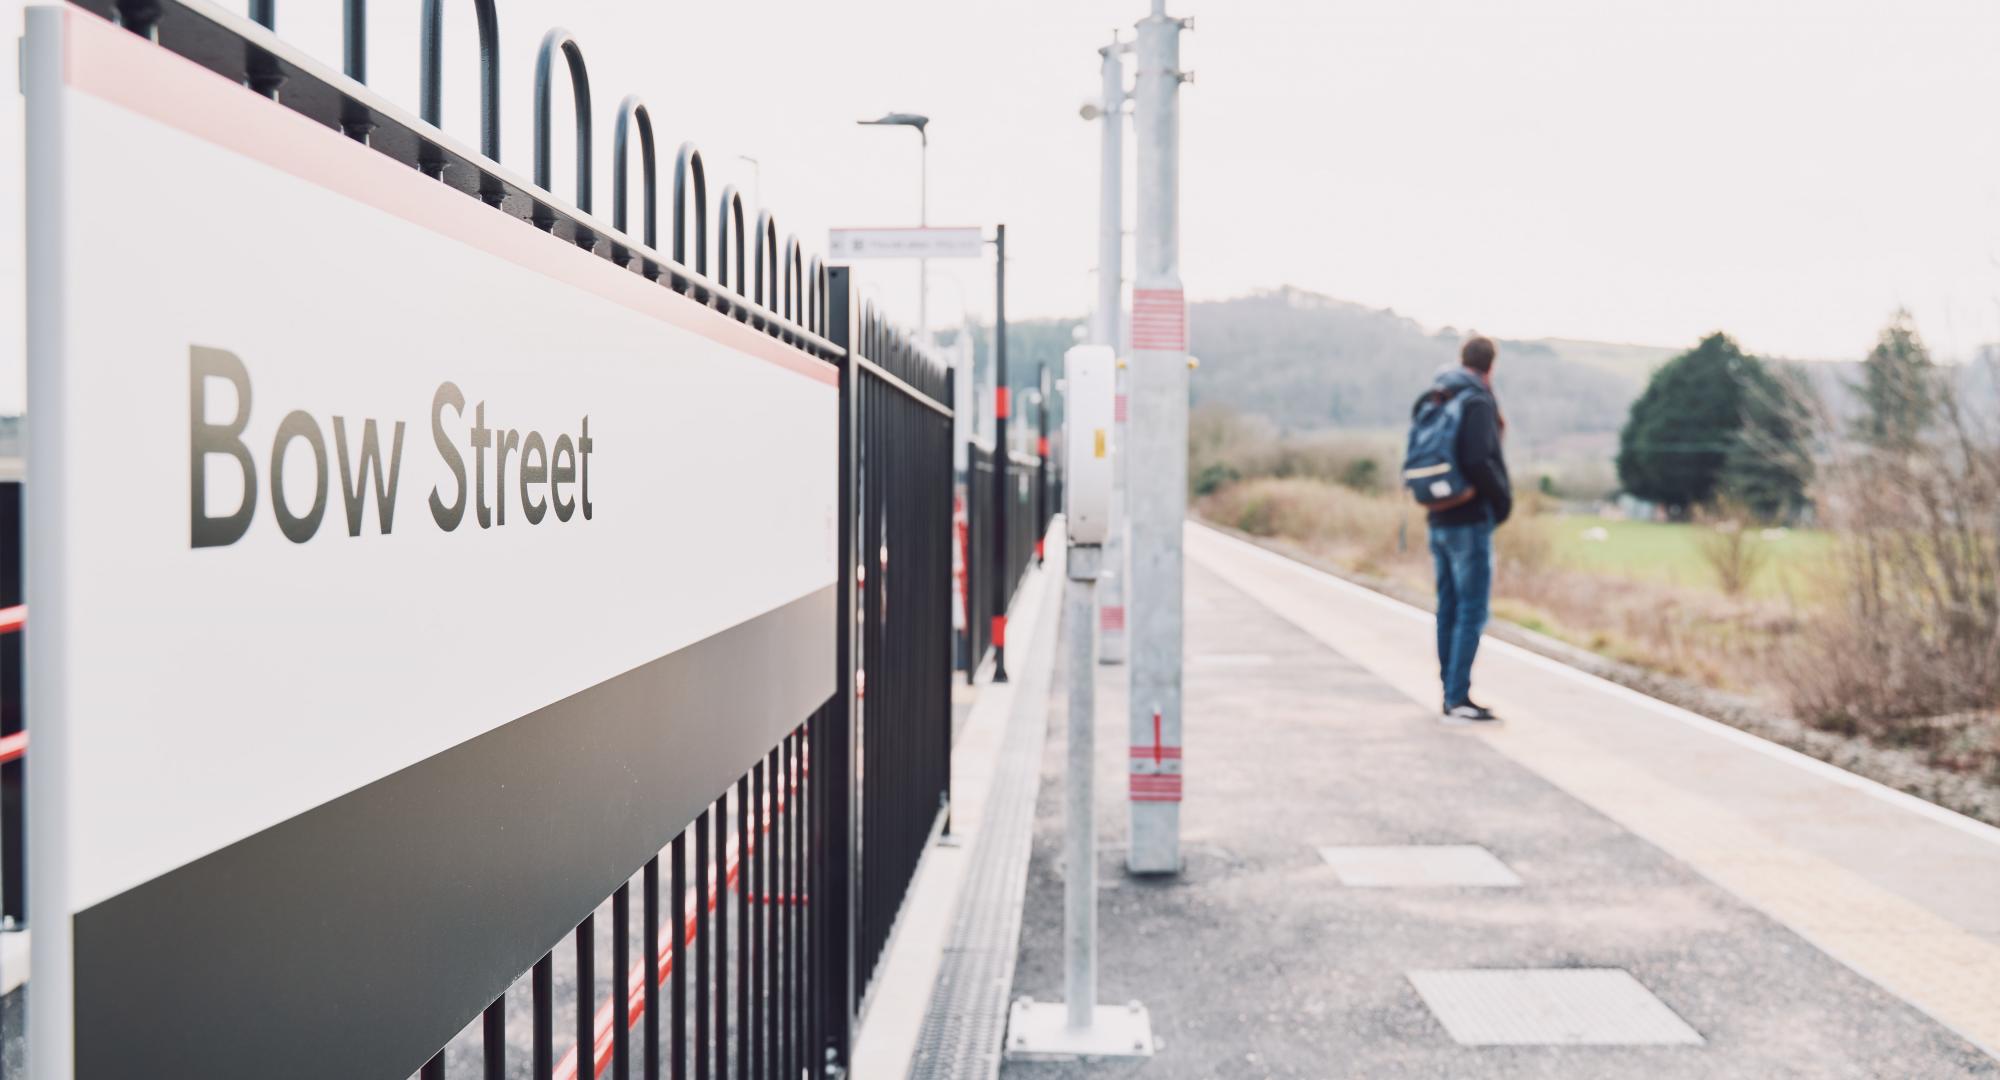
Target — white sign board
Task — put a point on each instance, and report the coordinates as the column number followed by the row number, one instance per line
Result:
column 400, row 574
column 923, row 243
column 1090, row 372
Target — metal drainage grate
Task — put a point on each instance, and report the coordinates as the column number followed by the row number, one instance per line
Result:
column 1566, row 1007
column 1419, row 866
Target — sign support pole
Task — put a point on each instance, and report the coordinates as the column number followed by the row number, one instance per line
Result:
column 1078, row 1026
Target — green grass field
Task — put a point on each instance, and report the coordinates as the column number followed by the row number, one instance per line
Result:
column 1659, row 551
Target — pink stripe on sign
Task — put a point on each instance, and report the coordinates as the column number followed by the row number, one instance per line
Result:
column 1159, row 320
column 1121, row 417
column 1111, row 617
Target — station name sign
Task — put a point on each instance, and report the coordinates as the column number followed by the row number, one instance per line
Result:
column 550, row 474
column 489, row 563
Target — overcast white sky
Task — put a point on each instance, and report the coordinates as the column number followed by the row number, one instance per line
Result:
column 1787, row 170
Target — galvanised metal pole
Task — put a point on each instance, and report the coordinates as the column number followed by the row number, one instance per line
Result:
column 1080, row 791
column 1104, row 329
column 1157, row 496
column 1002, row 492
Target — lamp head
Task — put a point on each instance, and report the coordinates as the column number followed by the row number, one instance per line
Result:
column 898, row 119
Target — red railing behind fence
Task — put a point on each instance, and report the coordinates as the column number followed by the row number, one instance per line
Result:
column 12, row 619
column 663, row 963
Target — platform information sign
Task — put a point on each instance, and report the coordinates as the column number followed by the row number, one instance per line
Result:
column 915, row 243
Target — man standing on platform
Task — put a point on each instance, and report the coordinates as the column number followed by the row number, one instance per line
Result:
column 1462, row 528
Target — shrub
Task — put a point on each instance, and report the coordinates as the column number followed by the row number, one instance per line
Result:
column 1733, row 551
column 1213, row 477
column 1257, row 515
column 1914, row 629
column 1362, row 474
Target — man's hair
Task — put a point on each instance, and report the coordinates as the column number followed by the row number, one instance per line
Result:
column 1477, row 353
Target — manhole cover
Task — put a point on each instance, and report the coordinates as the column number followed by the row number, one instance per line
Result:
column 1569, row 1007
column 1419, row 866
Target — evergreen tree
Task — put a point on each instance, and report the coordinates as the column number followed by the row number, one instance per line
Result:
column 1899, row 388
column 1715, row 421
column 1770, row 463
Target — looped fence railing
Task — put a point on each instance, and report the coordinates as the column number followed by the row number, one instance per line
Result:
column 632, row 114
column 689, row 173
column 430, row 72
column 258, row 59
column 794, row 280
column 765, row 271
column 816, row 298
column 729, row 226
column 559, row 40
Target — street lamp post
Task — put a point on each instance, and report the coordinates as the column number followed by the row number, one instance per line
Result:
column 922, row 124
column 1104, row 330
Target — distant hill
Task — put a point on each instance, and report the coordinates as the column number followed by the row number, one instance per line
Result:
column 1309, row 362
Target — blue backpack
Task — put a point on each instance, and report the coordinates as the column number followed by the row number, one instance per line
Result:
column 1430, row 463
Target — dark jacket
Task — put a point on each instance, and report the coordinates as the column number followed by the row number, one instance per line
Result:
column 1479, row 456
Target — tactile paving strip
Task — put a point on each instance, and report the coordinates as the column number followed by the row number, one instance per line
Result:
column 965, row 1025
column 1564, row 1007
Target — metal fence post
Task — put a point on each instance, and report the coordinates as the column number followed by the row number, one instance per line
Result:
column 833, row 749
column 1043, row 511
column 1002, row 493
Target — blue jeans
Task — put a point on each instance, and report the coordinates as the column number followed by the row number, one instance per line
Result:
column 1463, row 555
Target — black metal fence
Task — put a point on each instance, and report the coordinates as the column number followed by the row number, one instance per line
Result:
column 980, row 556
column 903, row 496
column 1027, row 518
column 13, row 867
column 713, row 978
column 1037, row 497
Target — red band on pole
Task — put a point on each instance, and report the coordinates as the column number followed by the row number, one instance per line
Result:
column 1000, row 402
column 1000, row 631
column 1159, row 320
column 1042, row 446
column 1038, row 549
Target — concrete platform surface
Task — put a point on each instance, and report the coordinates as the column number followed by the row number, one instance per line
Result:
column 1309, row 727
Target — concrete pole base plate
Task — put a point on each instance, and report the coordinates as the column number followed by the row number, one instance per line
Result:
column 1040, row 1031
